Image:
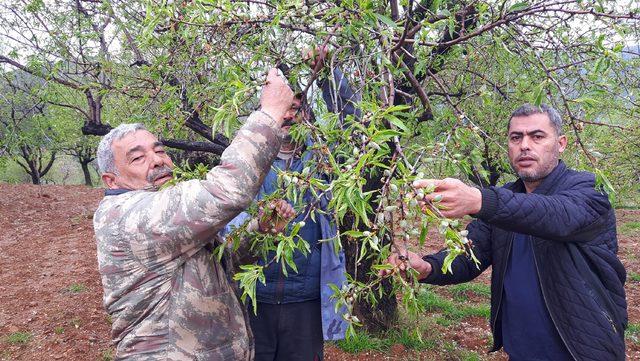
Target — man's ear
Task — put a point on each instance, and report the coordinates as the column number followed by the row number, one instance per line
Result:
column 109, row 180
column 562, row 140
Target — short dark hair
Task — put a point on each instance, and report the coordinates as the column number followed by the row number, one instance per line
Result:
column 526, row 110
column 304, row 105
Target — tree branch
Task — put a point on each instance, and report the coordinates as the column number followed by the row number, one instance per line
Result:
column 4, row 59
column 46, row 169
column 208, row 147
column 424, row 99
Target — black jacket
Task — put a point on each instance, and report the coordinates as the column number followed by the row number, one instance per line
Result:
column 572, row 226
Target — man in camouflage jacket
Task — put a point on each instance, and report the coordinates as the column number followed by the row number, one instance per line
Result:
column 169, row 299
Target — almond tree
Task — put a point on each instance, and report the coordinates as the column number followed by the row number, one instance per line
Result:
column 437, row 81
column 27, row 137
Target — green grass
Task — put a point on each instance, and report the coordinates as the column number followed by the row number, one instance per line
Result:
column 629, row 228
column 460, row 292
column 406, row 337
column 411, row 340
column 466, row 355
column 19, row 338
column 107, row 355
column 450, row 346
column 77, row 288
column 634, row 277
column 446, row 309
column 451, row 310
column 363, row 342
column 632, row 332
column 58, row 330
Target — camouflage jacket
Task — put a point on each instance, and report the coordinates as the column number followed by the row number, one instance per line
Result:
column 168, row 297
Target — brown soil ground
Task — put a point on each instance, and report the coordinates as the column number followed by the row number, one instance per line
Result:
column 51, row 290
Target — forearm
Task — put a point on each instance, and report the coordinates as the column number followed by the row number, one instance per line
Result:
column 562, row 217
column 463, row 270
column 182, row 219
column 243, row 166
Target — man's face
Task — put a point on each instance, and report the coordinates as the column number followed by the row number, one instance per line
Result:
column 534, row 146
column 292, row 116
column 141, row 162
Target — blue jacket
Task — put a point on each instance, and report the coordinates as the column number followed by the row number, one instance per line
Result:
column 324, row 265
column 572, row 227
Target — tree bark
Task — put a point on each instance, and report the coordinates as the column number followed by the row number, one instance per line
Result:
column 35, row 175
column 380, row 317
column 87, row 174
column 208, row 147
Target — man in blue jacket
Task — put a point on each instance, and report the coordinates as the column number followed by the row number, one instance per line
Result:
column 295, row 313
column 557, row 286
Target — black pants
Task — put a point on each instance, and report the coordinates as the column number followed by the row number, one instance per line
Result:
column 288, row 332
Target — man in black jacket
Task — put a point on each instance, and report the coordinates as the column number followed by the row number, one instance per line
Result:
column 557, row 286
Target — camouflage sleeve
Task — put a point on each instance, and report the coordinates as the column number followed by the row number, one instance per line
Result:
column 174, row 223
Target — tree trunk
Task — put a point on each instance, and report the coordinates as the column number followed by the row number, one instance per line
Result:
column 382, row 316
column 35, row 176
column 33, row 171
column 87, row 173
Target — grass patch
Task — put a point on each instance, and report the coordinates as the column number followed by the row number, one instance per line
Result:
column 363, row 342
column 414, row 334
column 461, row 291
column 450, row 346
column 77, row 288
column 409, row 338
column 467, row 355
column 632, row 332
column 635, row 277
column 107, row 355
column 450, row 310
column 19, row 338
column 443, row 321
column 59, row 330
column 629, row 228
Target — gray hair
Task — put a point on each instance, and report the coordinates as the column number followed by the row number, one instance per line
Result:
column 529, row 109
column 106, row 162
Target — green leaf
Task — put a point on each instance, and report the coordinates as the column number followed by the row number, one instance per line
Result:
column 387, row 20
column 397, row 122
column 452, row 26
column 539, row 94
column 363, row 252
column 354, row 234
column 385, row 135
column 373, row 243
column 435, row 5
column 602, row 65
column 519, row 7
column 423, row 234
column 600, row 42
